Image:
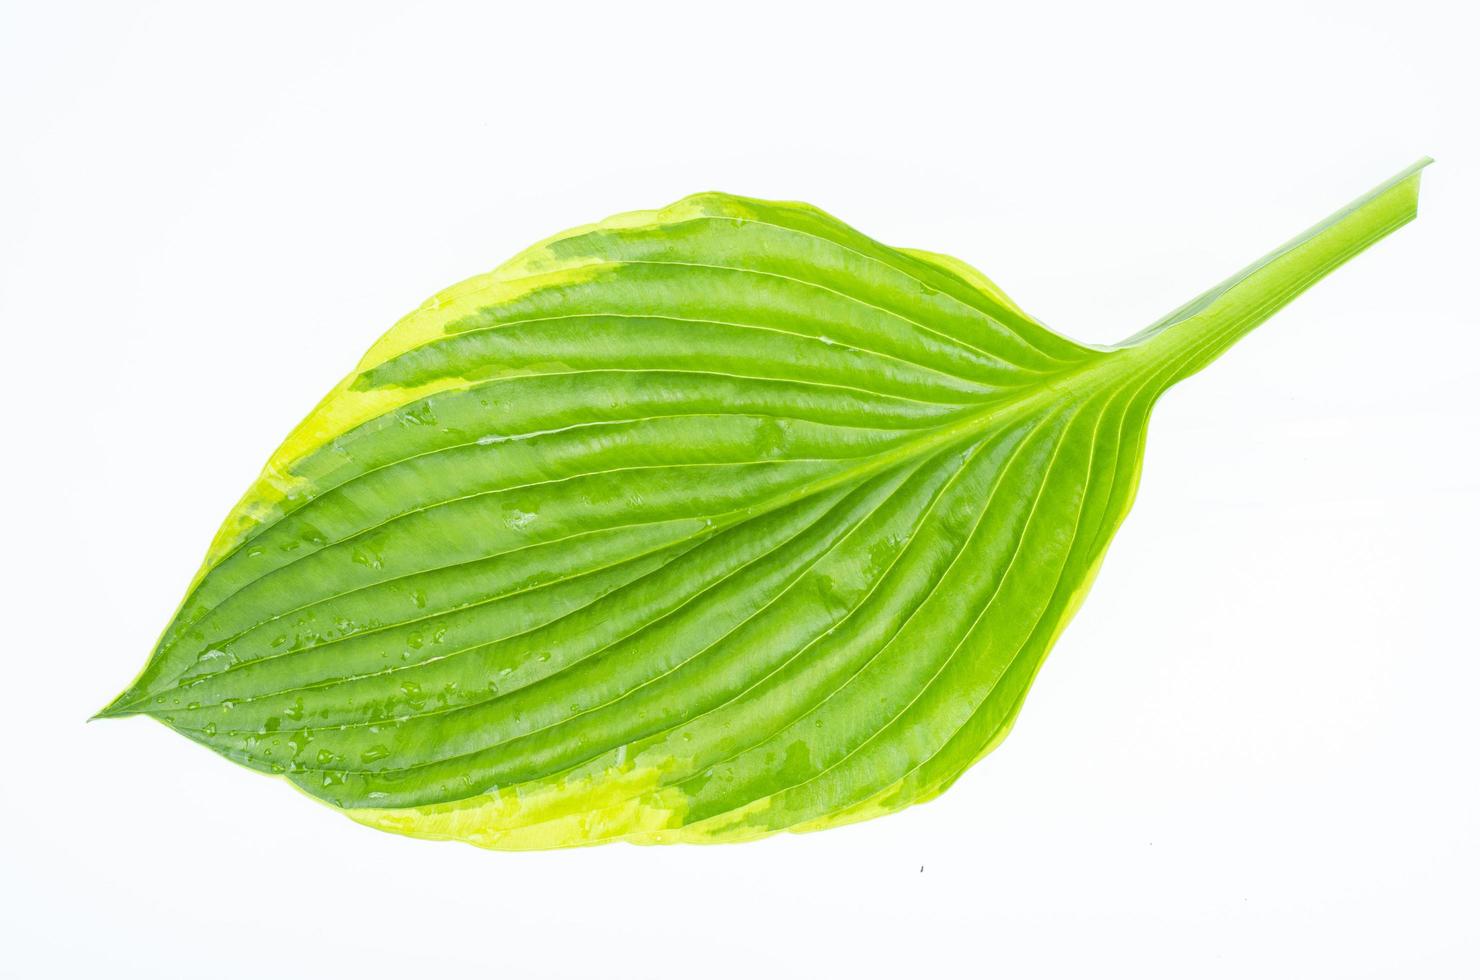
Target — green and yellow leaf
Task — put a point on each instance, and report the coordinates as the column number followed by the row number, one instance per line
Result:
column 691, row 525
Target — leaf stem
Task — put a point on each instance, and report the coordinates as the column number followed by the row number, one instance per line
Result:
column 1195, row 334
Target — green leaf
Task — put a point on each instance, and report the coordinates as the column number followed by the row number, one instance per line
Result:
column 691, row 525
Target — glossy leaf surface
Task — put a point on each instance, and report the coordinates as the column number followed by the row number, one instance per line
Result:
column 692, row 525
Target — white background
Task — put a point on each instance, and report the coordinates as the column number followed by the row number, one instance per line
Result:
column 1253, row 754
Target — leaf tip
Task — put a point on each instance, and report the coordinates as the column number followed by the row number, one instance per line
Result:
column 119, row 707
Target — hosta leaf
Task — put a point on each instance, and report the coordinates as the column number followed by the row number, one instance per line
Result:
column 691, row 525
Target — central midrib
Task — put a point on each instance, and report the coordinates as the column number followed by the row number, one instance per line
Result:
column 1077, row 382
